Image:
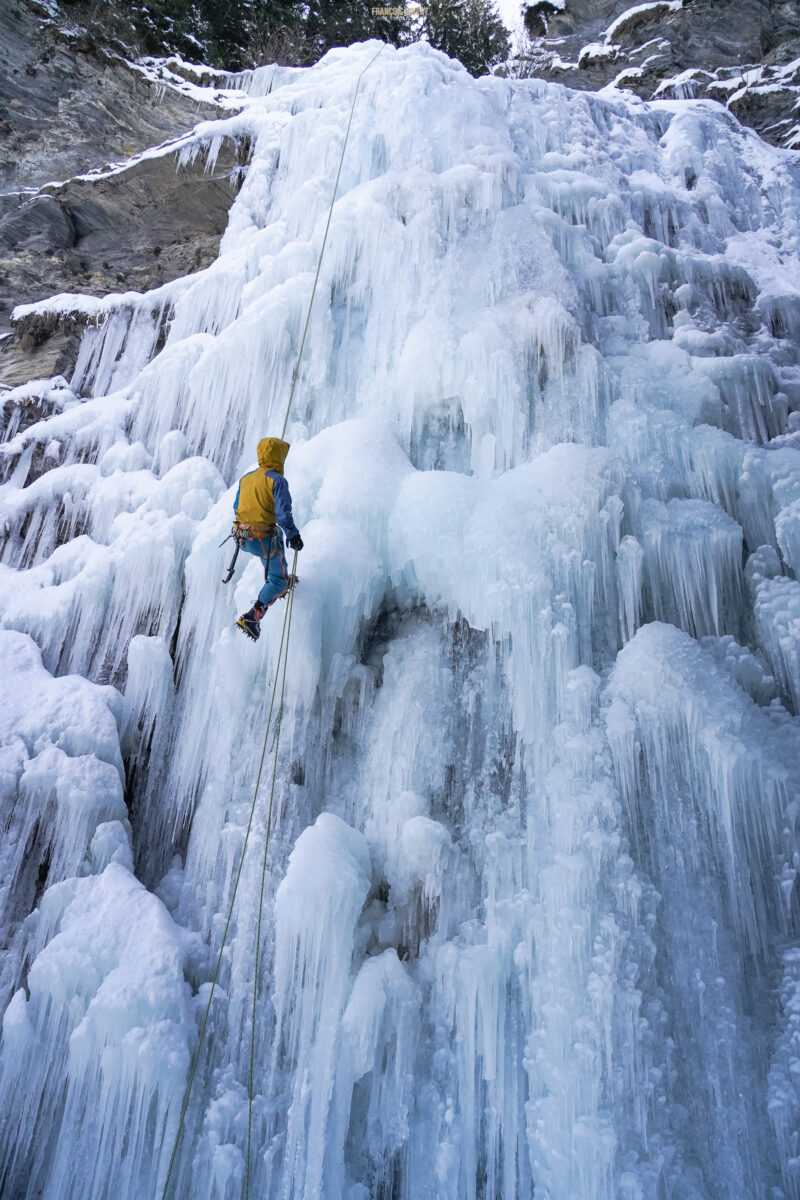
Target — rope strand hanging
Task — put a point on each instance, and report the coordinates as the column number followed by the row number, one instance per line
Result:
column 280, row 673
column 296, row 370
column 257, row 963
column 283, row 649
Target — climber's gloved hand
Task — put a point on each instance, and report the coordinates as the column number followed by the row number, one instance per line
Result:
column 296, row 542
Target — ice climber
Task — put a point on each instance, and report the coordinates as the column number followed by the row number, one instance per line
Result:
column 263, row 509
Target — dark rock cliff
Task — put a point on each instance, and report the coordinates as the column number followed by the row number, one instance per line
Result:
column 81, row 208
column 744, row 54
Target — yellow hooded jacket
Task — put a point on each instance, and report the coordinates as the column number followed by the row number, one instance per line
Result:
column 263, row 496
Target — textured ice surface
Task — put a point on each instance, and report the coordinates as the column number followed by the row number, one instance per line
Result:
column 531, row 923
column 61, row 776
column 101, row 1038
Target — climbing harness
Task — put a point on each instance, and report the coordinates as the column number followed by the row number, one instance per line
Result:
column 280, row 673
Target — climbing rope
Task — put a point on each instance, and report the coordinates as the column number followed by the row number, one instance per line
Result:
column 279, row 720
column 280, row 673
column 296, row 371
column 283, row 651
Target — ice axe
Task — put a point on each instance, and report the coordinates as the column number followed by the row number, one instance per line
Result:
column 238, row 538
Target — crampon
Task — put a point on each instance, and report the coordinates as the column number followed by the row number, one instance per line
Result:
column 250, row 622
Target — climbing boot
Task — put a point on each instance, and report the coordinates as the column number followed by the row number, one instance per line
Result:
column 249, row 622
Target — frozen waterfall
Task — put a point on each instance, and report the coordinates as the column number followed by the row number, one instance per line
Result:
column 532, row 921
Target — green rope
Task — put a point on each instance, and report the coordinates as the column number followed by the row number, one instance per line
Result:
column 215, row 977
column 280, row 672
column 295, row 375
column 296, row 371
column 278, row 723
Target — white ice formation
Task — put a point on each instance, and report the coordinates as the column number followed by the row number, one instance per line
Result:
column 532, row 923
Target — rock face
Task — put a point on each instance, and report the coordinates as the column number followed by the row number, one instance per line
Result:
column 68, row 105
column 745, row 55
column 129, row 229
column 67, row 226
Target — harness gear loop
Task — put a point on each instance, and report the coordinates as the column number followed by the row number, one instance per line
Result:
column 244, row 532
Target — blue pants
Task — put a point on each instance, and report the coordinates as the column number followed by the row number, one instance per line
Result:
column 276, row 573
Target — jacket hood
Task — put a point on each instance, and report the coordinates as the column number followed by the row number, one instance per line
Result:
column 272, row 454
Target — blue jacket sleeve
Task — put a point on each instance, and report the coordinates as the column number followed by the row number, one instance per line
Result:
column 283, row 504
column 236, row 501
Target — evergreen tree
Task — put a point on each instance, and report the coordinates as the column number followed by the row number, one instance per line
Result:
column 276, row 32
column 224, row 23
column 469, row 30
column 232, row 34
column 341, row 22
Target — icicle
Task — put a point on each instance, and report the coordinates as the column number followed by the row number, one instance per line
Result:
column 533, row 935
column 629, row 570
column 776, row 604
column 375, row 1053
column 692, row 563
column 62, row 775
column 104, row 1029
column 317, row 906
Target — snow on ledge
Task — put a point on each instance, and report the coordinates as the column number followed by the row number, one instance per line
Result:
column 655, row 8
column 596, row 50
column 97, row 308
column 609, row 47
column 187, row 80
column 69, row 304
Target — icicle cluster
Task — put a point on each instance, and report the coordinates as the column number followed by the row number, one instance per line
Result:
column 531, row 911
